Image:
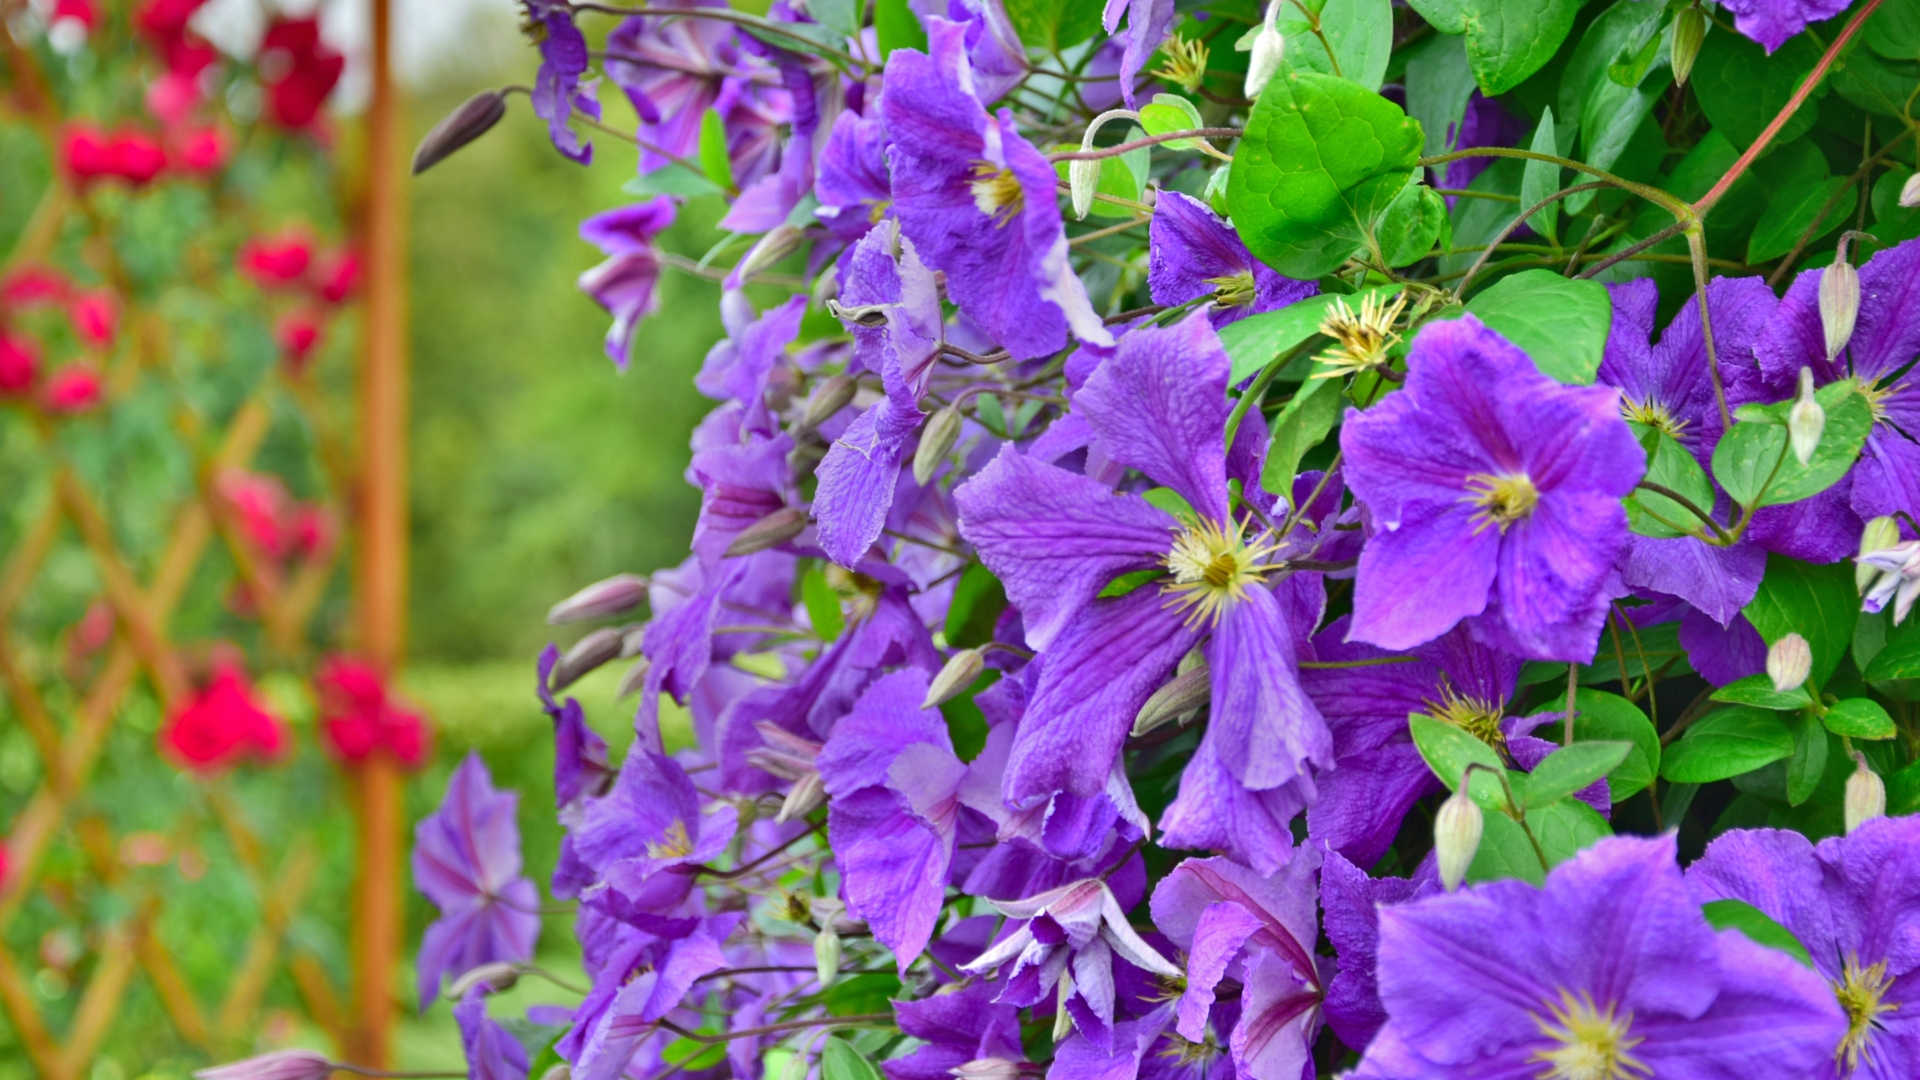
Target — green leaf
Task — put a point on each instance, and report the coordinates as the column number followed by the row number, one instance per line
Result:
column 1322, row 158
column 1051, row 25
column 978, row 600
column 1300, row 427
column 1359, row 33
column 1507, row 40
column 1608, row 109
column 1127, row 582
column 1876, row 85
column 1563, row 828
column 1891, row 221
column 1171, row 501
column 1540, row 179
column 1572, row 768
column 840, row 1061
column 1672, row 466
column 871, row 992
column 1411, row 224
column 1758, row 691
column 1792, row 211
column 822, row 604
column 1258, row 340
column 1894, row 30
column 672, row 179
column 1899, row 657
column 714, row 159
column 897, row 27
column 843, row 17
column 1753, row 461
column 1809, row 760
column 1817, row 602
column 1171, row 112
column 1859, row 718
column 1741, row 88
column 1751, row 921
column 1726, row 744
column 1601, row 42
column 1602, row 716
column 1560, row 323
column 1439, row 84
column 1449, row 751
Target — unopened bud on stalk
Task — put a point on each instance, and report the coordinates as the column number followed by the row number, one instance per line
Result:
column 938, row 437
column 634, row 678
column 617, row 595
column 1881, row 533
column 1456, row 835
column 1839, row 304
column 1789, row 662
column 771, row 531
column 955, row 676
column 495, row 978
column 767, row 253
column 826, row 956
column 1062, row 1020
column 829, row 398
column 1689, row 31
column 279, row 1065
column 1269, row 48
column 798, row 1066
column 461, row 126
column 988, row 1069
column 586, row 655
column 632, row 639
column 803, row 798
column 1910, row 192
column 1083, row 179
column 1184, row 693
column 1806, row 420
column 1866, row 797
column 562, row 1071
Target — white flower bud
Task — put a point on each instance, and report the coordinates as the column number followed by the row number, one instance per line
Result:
column 1183, row 694
column 279, row 1065
column 1689, row 31
column 1881, row 533
column 768, row 252
column 959, row 672
column 587, row 655
column 987, row 1069
column 1789, row 662
column 1866, row 797
column 803, row 798
column 1910, row 192
column 1062, row 1020
column 938, row 437
column 1839, row 304
column 1456, row 836
column 561, row 1071
column 601, row 600
column 1269, row 48
column 633, row 680
column 771, row 531
column 826, row 956
column 828, row 398
column 495, row 978
column 1806, row 420
column 1083, row 179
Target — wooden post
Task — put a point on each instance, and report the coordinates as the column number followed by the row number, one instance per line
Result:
column 381, row 574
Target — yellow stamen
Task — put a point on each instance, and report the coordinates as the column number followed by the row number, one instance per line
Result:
column 1859, row 992
column 996, row 191
column 1591, row 1043
column 1236, row 290
column 1361, row 339
column 859, row 594
column 1188, row 1054
column 1471, row 715
column 1211, row 567
column 1502, row 499
column 674, row 844
column 1877, row 396
column 1653, row 414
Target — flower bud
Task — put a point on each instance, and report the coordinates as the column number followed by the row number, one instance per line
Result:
column 1456, row 836
column 766, row 253
column 1185, row 693
column 798, row 1066
column 1689, row 31
column 828, row 398
column 461, row 126
column 1063, row 1020
column 1898, row 579
column 1910, row 192
column 587, row 654
column 806, row 795
column 988, row 1069
column 826, row 956
column 771, row 531
column 494, row 978
column 938, row 437
column 1789, row 662
column 1806, row 420
column 1269, row 48
column 1881, row 533
column 633, row 679
column 279, row 1065
column 561, row 1071
column 1839, row 304
column 1083, row 179
column 617, row 595
column 1866, row 797
column 958, row 673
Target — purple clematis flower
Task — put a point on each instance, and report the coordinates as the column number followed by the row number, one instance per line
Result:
column 1609, row 970
column 980, row 203
column 1194, row 254
column 557, row 91
column 1069, row 938
column 625, row 283
column 746, row 365
column 966, row 1033
column 1485, row 122
column 466, row 859
column 740, row 484
column 1148, row 23
column 1259, row 931
column 850, row 179
column 580, row 768
column 673, row 71
column 1885, row 338
column 1350, row 902
column 1056, row 539
column 646, row 974
column 1772, row 22
column 1854, row 902
column 492, row 1052
column 645, row 839
column 1495, row 495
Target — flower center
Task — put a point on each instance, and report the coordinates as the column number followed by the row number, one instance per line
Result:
column 1186, row 65
column 1211, row 567
column 1653, row 414
column 675, row 843
column 1502, row 500
column 996, row 191
column 1471, row 715
column 1235, row 290
column 1589, row 1043
column 1361, row 339
column 860, row 594
column 1877, row 396
column 1188, row 1054
column 1859, row 992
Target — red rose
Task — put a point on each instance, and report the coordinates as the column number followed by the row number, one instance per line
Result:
column 275, row 262
column 200, row 151
column 337, row 275
column 297, row 334
column 298, row 71
column 360, row 717
column 259, row 507
column 95, row 316
column 31, row 287
column 221, row 724
column 74, row 389
column 87, row 153
column 19, row 364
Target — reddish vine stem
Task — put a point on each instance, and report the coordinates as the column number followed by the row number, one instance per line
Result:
column 1151, row 140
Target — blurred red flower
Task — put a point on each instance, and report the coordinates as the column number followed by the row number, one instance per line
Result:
column 221, row 724
column 19, row 364
column 31, row 287
column 84, row 12
column 95, row 316
column 359, row 715
column 276, row 262
column 164, row 24
column 259, row 506
column 337, row 274
column 298, row 71
column 298, row 333
column 76, row 388
column 86, row 152
column 137, row 157
column 200, row 151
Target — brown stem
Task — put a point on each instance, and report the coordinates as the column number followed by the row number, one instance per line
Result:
column 1151, row 140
